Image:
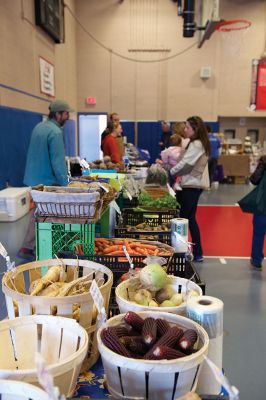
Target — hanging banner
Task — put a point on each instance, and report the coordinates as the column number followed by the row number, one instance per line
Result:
column 261, row 86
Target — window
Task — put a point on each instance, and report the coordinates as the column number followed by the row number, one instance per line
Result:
column 229, row 134
column 253, row 134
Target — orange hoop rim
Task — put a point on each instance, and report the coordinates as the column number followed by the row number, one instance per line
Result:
column 226, row 26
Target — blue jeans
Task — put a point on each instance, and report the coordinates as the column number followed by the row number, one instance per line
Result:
column 259, row 230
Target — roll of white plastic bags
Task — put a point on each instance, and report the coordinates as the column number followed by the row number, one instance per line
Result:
column 179, row 234
column 208, row 312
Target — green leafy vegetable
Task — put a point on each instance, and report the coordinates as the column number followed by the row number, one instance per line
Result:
column 167, row 201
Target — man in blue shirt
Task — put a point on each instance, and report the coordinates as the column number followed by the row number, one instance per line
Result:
column 45, row 162
column 213, row 159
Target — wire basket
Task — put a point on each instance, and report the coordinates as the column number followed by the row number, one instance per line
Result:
column 68, row 205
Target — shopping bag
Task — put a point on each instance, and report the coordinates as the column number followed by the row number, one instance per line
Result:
column 248, row 204
column 255, row 201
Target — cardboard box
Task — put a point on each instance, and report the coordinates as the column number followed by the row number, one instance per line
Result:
column 235, row 165
column 14, row 203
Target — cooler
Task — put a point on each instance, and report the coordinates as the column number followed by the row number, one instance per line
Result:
column 14, row 203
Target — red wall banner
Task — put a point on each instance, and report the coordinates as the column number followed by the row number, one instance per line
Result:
column 261, row 86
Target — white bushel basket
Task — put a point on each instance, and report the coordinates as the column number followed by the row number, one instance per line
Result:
column 15, row 286
column 129, row 378
column 13, row 390
column 181, row 285
column 62, row 342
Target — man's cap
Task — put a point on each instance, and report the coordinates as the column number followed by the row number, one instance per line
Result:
column 60, row 105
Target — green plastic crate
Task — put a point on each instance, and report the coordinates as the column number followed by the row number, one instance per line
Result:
column 54, row 237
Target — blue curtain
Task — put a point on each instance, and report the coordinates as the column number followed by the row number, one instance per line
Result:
column 129, row 130
column 149, row 134
column 70, row 138
column 15, row 131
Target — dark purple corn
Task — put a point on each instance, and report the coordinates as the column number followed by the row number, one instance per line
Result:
column 121, row 330
column 187, row 341
column 134, row 320
column 162, row 327
column 111, row 340
column 149, row 331
column 164, row 353
column 169, row 339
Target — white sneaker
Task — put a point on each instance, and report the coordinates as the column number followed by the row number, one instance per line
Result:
column 177, row 186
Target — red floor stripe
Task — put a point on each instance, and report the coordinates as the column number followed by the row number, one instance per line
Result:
column 225, row 231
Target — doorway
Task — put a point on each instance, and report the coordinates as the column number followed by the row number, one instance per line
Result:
column 90, row 130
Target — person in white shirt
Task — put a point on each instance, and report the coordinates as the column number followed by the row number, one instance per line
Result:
column 193, row 168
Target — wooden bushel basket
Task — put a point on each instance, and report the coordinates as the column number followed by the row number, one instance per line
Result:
column 15, row 287
column 14, row 390
column 62, row 342
column 129, row 378
column 181, row 285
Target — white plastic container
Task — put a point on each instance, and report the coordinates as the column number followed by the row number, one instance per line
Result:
column 14, row 203
column 129, row 378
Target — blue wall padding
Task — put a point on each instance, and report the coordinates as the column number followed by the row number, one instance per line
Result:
column 70, row 138
column 214, row 125
column 149, row 134
column 129, row 130
column 15, row 131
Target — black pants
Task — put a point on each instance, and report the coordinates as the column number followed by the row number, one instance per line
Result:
column 188, row 200
column 212, row 165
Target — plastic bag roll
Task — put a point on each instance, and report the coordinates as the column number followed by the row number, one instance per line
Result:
column 179, row 234
column 208, row 312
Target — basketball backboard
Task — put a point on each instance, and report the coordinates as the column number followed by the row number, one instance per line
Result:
column 208, row 17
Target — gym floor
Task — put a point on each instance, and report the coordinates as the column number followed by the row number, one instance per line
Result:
column 242, row 290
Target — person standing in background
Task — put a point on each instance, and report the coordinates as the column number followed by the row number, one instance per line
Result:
column 259, row 219
column 193, row 167
column 109, row 144
column 114, row 118
column 45, row 163
column 166, row 134
column 215, row 148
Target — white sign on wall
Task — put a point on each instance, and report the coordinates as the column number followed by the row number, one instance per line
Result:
column 47, row 77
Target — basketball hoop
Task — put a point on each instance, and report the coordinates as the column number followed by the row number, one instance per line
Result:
column 233, row 25
column 233, row 33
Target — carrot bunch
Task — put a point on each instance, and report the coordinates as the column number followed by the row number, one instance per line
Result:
column 114, row 247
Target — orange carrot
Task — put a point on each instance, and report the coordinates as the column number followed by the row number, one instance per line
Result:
column 147, row 246
column 109, row 249
column 141, row 251
column 119, row 242
column 115, row 253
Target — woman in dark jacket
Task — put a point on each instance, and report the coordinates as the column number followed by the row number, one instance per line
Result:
column 259, row 221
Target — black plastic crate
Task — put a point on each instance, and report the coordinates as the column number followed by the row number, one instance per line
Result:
column 151, row 217
column 127, row 203
column 114, row 263
column 158, row 236
column 183, row 268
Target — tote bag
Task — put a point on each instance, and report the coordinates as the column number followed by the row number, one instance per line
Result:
column 255, row 201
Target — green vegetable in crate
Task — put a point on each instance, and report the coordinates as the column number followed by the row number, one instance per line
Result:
column 157, row 175
column 167, row 201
